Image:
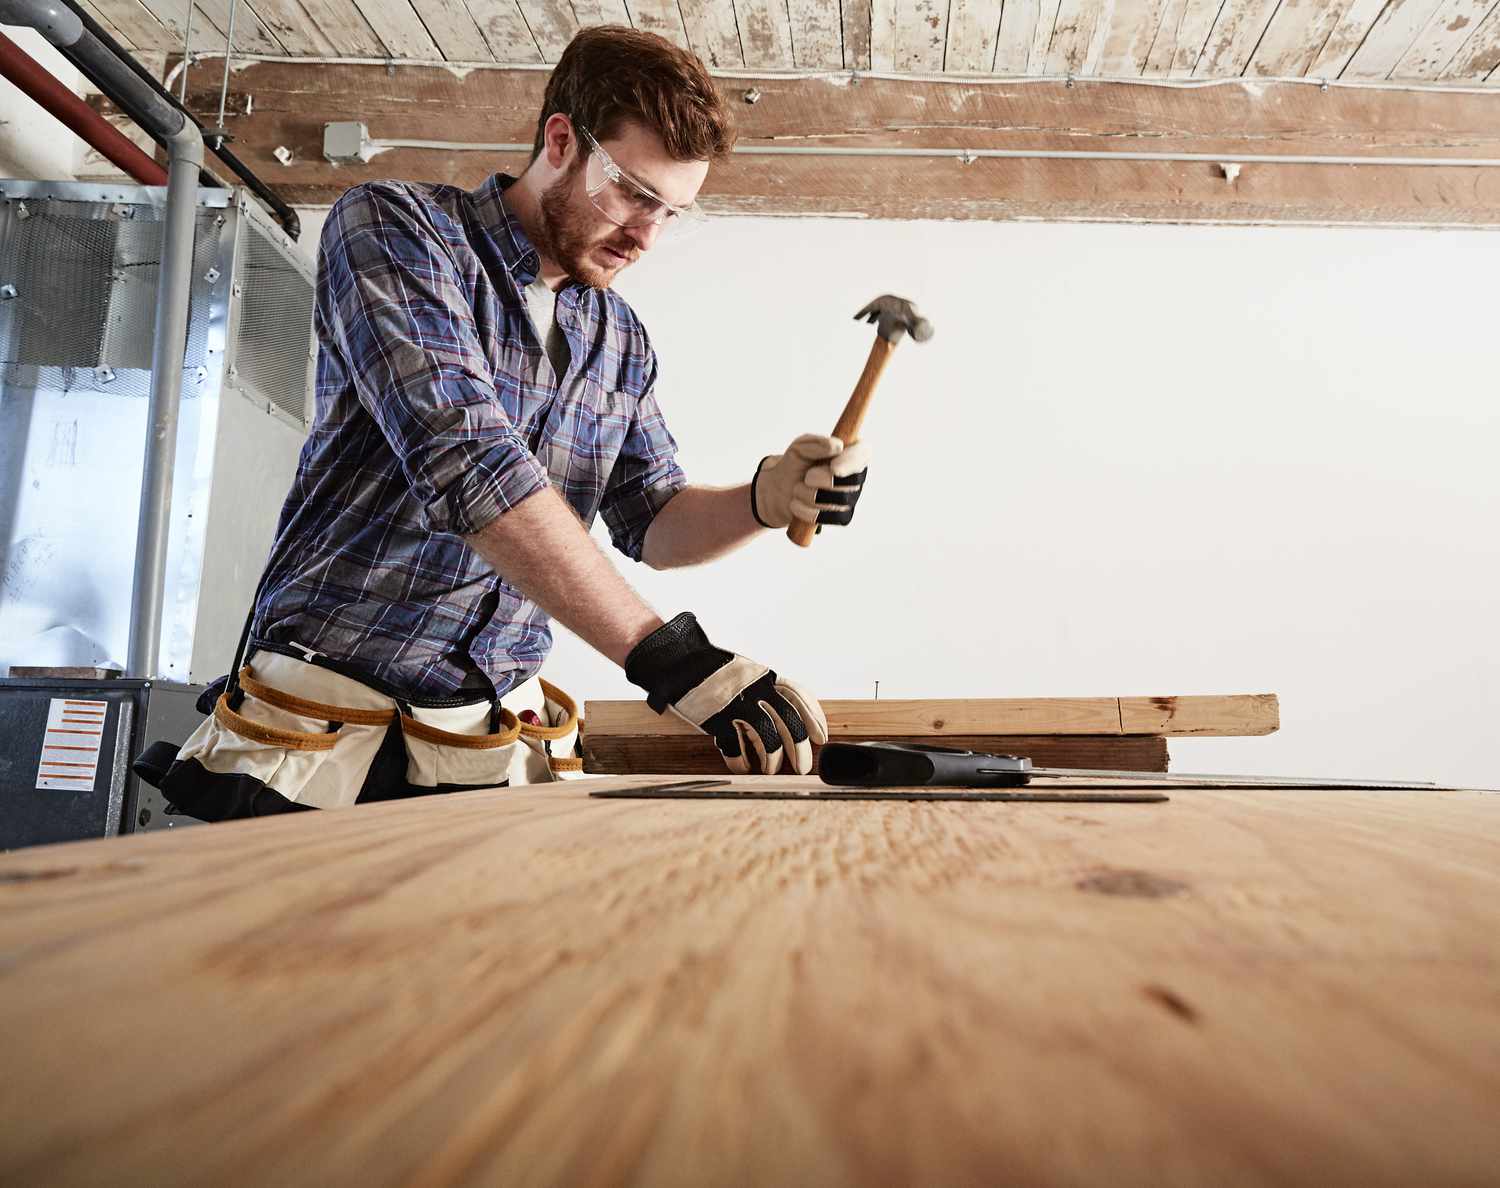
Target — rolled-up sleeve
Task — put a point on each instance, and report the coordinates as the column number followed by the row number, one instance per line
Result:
column 645, row 477
column 392, row 301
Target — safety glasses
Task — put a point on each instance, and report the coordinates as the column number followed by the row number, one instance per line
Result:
column 627, row 202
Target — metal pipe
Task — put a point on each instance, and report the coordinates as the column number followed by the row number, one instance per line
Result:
column 969, row 155
column 283, row 213
column 58, row 100
column 168, row 349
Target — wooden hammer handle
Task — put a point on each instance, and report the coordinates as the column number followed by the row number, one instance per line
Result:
column 801, row 532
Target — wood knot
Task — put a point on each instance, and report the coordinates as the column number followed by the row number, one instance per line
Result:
column 1172, row 1003
column 1137, row 884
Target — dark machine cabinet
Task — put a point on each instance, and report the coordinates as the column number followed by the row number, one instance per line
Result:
column 36, row 809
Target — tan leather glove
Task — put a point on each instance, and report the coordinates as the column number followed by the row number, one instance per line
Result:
column 817, row 479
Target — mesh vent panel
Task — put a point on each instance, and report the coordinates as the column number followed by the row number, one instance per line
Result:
column 275, row 328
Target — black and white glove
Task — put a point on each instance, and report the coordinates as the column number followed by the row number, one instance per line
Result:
column 818, row 479
column 754, row 717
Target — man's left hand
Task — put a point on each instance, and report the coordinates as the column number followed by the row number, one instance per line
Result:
column 818, row 479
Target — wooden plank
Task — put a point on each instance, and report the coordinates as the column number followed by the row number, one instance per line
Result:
column 119, row 34
column 1132, row 30
column 1450, row 28
column 1019, row 21
column 921, row 35
column 343, row 27
column 883, row 34
column 765, row 34
column 491, row 105
column 1295, row 37
column 617, row 754
column 600, row 12
column 1235, row 35
column 1392, row 34
column 552, row 24
column 1041, row 40
column 1347, row 36
column 973, row 35
column 1480, row 55
column 250, row 33
column 532, row 986
column 1078, row 34
column 290, row 23
column 857, row 16
column 399, row 28
column 1236, row 715
column 208, row 38
column 1184, row 30
column 505, row 31
column 661, row 17
column 713, row 33
column 817, row 34
column 456, row 33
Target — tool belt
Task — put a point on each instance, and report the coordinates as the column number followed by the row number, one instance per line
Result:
column 286, row 734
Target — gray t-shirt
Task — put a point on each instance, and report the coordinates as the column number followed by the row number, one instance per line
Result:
column 541, row 303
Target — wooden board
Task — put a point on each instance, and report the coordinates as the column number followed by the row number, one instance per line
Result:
column 533, row 987
column 624, row 754
column 292, row 103
column 1236, row 715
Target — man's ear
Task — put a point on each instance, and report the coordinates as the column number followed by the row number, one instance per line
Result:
column 558, row 140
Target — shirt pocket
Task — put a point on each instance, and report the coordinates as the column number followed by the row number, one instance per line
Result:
column 583, row 444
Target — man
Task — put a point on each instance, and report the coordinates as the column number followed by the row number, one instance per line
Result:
column 482, row 393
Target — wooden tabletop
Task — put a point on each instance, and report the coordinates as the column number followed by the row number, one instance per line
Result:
column 535, row 987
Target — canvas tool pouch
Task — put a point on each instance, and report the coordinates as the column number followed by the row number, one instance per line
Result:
column 291, row 735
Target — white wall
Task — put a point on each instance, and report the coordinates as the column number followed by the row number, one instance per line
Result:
column 1133, row 460
column 32, row 143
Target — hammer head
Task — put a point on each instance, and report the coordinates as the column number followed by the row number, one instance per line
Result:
column 894, row 316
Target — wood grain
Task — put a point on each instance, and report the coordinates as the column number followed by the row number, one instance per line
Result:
column 1235, row 715
column 291, row 104
column 532, row 987
column 620, row 754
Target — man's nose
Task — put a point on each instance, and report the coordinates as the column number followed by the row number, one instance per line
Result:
column 643, row 236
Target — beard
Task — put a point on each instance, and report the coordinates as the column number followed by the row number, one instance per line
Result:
column 568, row 234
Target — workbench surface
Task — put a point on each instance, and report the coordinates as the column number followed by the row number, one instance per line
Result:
column 535, row 987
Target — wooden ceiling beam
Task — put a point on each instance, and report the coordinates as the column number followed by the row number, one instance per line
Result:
column 292, row 102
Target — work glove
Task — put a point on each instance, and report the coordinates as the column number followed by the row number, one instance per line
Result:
column 755, row 718
column 818, row 479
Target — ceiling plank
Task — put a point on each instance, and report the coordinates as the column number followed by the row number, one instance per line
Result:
column 600, row 12
column 713, row 33
column 293, row 26
column 1041, row 39
column 921, row 35
column 171, row 14
column 1347, row 36
column 552, row 24
column 1450, row 28
column 1132, row 29
column 856, row 17
column 973, row 33
column 1295, row 37
column 882, row 34
column 505, row 31
column 661, row 17
column 1078, row 34
column 1185, row 26
column 765, row 33
column 1223, row 122
column 1480, row 55
column 1236, row 32
column 817, row 34
column 399, row 28
column 250, row 33
column 136, row 24
column 1389, row 38
column 344, row 27
column 115, row 31
column 1018, row 26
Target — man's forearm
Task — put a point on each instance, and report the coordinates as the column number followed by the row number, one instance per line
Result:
column 540, row 547
column 699, row 524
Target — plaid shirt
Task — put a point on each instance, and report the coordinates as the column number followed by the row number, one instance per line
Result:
column 437, row 411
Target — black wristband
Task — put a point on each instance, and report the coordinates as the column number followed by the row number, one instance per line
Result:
column 754, row 511
column 673, row 660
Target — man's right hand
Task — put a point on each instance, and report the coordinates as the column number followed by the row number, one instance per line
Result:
column 754, row 717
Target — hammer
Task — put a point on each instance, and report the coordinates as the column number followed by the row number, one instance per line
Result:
column 893, row 316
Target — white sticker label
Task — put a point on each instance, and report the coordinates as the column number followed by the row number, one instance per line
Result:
column 70, row 751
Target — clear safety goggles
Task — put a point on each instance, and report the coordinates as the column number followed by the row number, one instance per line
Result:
column 629, row 203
